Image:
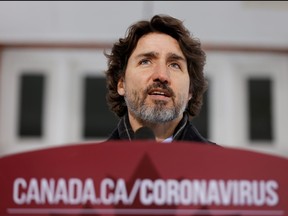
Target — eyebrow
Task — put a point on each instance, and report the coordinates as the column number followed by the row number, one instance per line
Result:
column 148, row 54
column 171, row 56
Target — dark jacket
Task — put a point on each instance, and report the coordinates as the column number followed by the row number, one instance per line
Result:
column 185, row 131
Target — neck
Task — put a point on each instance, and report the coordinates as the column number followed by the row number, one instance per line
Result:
column 161, row 130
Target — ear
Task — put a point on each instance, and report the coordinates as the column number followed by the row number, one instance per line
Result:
column 121, row 87
column 189, row 96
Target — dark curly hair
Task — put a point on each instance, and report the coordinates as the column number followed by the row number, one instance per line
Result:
column 122, row 50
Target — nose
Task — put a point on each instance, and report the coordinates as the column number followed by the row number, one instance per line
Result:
column 161, row 74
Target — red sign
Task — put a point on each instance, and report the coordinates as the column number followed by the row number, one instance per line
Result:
column 143, row 178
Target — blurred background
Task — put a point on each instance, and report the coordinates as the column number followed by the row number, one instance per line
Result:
column 52, row 84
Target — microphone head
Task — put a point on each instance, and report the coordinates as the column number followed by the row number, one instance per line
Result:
column 144, row 133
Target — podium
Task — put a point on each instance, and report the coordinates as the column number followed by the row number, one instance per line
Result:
column 143, row 178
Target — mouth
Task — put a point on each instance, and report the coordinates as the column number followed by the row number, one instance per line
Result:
column 160, row 92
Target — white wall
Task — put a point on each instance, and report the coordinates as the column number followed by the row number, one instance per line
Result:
column 241, row 22
column 67, row 20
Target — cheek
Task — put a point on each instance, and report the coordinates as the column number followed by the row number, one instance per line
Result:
column 137, row 82
column 184, row 88
column 183, row 93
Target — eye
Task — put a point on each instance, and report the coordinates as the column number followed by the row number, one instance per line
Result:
column 144, row 62
column 175, row 65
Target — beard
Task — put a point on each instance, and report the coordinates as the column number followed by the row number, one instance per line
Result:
column 158, row 112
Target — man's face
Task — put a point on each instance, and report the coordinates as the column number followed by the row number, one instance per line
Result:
column 156, row 82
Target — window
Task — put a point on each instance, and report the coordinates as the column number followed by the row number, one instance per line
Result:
column 99, row 121
column 201, row 121
column 31, row 105
column 260, row 109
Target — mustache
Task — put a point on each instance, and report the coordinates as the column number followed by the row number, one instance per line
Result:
column 159, row 85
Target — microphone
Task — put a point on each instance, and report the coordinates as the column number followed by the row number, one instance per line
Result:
column 144, row 133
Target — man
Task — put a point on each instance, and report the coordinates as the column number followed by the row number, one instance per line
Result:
column 155, row 79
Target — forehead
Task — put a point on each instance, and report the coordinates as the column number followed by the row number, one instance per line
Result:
column 159, row 43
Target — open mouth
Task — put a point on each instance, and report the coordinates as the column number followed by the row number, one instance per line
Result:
column 160, row 92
